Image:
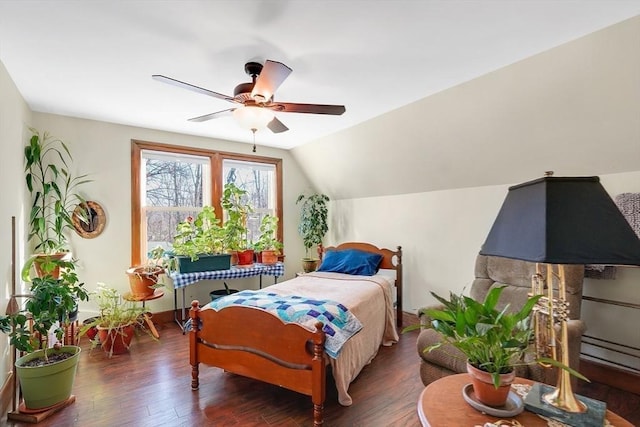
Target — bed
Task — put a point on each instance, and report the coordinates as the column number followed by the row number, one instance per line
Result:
column 254, row 343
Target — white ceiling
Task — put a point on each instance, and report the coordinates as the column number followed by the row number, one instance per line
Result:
column 94, row 59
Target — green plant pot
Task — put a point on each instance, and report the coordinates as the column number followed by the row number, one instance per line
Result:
column 310, row 265
column 44, row 386
column 204, row 263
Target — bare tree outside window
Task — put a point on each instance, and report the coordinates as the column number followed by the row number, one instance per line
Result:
column 174, row 190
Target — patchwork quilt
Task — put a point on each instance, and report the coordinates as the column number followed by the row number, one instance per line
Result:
column 339, row 324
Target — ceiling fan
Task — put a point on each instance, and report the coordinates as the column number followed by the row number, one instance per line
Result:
column 256, row 109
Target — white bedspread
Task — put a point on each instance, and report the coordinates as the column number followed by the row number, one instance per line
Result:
column 369, row 299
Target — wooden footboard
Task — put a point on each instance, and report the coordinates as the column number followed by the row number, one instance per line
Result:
column 251, row 342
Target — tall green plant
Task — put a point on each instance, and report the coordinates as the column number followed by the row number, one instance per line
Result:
column 268, row 239
column 234, row 203
column 313, row 219
column 53, row 191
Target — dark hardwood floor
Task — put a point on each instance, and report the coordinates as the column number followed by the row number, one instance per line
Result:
column 150, row 386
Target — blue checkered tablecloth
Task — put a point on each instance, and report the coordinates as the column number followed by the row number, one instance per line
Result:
column 181, row 280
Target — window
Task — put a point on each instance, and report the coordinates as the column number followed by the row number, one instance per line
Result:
column 171, row 182
column 258, row 179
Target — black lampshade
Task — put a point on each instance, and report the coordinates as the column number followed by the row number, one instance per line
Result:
column 562, row 220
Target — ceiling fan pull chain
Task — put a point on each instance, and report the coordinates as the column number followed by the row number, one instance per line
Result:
column 254, row 139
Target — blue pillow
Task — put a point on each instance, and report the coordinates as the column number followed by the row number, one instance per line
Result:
column 351, row 261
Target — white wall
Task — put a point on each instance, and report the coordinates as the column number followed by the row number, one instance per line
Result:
column 14, row 122
column 573, row 109
column 441, row 233
column 103, row 150
column 611, row 322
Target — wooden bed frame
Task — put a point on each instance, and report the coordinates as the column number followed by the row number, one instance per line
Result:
column 238, row 340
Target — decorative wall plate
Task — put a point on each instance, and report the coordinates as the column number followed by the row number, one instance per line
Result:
column 89, row 219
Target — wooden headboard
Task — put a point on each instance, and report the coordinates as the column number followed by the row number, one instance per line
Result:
column 391, row 260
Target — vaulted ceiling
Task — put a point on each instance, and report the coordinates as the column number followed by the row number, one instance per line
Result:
column 95, row 59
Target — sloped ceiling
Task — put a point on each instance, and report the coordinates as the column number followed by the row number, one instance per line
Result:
column 94, row 59
column 573, row 109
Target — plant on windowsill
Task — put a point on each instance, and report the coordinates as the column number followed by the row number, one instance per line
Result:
column 199, row 243
column 118, row 321
column 494, row 342
column 54, row 197
column 47, row 371
column 237, row 209
column 267, row 244
column 313, row 226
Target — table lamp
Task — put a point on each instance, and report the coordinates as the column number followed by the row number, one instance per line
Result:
column 557, row 221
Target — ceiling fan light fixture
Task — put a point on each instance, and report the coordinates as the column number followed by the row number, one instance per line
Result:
column 261, row 98
column 250, row 117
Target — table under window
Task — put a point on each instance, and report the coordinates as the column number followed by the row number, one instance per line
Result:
column 182, row 280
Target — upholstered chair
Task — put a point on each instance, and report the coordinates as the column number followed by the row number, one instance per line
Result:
column 516, row 276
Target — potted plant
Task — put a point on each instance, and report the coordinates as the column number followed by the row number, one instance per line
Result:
column 313, row 226
column 145, row 279
column 199, row 242
column 54, row 196
column 267, row 246
column 47, row 371
column 117, row 322
column 493, row 341
column 234, row 204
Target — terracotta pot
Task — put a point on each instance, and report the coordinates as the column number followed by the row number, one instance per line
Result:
column 234, row 257
column 92, row 331
column 245, row 258
column 484, row 389
column 44, row 258
column 141, row 281
column 116, row 340
column 268, row 257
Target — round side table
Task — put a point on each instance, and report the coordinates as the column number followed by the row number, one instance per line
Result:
column 441, row 404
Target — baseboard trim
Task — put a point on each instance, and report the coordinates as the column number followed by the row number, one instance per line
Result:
column 164, row 317
column 611, row 376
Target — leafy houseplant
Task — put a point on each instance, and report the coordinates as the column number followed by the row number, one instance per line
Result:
column 237, row 209
column 53, row 191
column 200, row 238
column 116, row 323
column 493, row 341
column 267, row 244
column 313, row 225
column 144, row 279
column 46, row 374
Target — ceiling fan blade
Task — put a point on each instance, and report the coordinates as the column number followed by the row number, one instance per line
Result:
column 289, row 107
column 276, row 126
column 211, row 116
column 191, row 87
column 269, row 80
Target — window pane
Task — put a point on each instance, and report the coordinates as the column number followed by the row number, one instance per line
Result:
column 161, row 226
column 258, row 179
column 176, row 186
column 177, row 180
